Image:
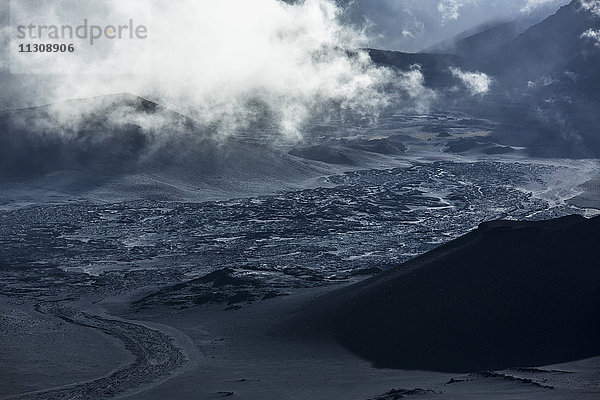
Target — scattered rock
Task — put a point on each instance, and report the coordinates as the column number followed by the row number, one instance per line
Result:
column 396, row 394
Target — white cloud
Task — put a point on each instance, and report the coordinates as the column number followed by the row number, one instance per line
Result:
column 477, row 83
column 591, row 5
column 231, row 64
column 4, row 43
column 412, row 84
column 593, row 35
column 449, row 9
column 533, row 4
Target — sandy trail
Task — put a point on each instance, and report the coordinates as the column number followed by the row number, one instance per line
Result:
column 157, row 357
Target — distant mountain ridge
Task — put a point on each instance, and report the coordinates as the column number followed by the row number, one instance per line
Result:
column 546, row 81
column 486, row 37
column 545, row 47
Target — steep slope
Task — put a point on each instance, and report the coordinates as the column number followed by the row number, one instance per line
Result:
column 545, row 47
column 488, row 37
column 508, row 294
column 484, row 40
column 550, row 80
column 545, row 89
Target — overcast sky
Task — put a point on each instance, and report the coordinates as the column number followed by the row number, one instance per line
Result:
column 412, row 25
